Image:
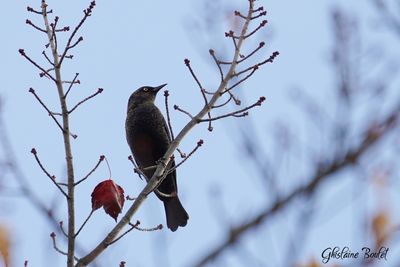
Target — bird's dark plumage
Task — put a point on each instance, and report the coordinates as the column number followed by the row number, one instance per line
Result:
column 149, row 138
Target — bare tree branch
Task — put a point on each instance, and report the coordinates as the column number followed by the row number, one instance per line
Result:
column 158, row 174
column 374, row 134
column 52, row 177
column 99, row 91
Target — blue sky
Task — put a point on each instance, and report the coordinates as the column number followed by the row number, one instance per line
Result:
column 127, row 45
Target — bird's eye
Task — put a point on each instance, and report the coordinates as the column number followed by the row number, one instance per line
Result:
column 145, row 89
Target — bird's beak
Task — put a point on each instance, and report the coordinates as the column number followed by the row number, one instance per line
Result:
column 158, row 88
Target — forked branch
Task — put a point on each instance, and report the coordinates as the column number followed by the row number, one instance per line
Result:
column 162, row 165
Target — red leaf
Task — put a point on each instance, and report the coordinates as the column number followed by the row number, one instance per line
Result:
column 109, row 195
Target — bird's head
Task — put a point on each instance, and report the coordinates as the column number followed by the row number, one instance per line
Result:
column 143, row 95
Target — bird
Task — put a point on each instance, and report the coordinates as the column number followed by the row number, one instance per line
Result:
column 148, row 137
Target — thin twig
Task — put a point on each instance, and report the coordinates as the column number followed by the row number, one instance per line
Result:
column 52, row 177
column 268, row 60
column 237, row 100
column 83, row 224
column 235, row 113
column 48, row 59
column 176, row 107
column 133, row 226
column 72, row 84
column 224, row 103
column 102, row 157
column 62, row 229
column 181, row 153
column 34, row 26
column 53, row 237
column 237, row 13
column 128, row 197
column 22, row 52
column 87, row 13
column 30, row 9
column 68, row 82
column 259, row 15
column 136, row 167
column 198, row 145
column 158, row 227
column 260, row 45
column 86, row 99
column 217, row 62
column 166, row 94
column 262, row 24
column 31, row 90
column 187, row 63
column 80, row 39
column 242, row 80
column 244, row 114
column 208, row 92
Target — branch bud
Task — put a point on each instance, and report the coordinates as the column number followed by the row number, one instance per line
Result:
column 229, row 34
column 263, row 23
column 262, row 99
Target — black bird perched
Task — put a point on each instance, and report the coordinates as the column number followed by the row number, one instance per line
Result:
column 149, row 138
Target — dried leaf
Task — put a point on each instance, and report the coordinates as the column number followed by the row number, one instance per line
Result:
column 110, row 196
column 5, row 245
column 380, row 227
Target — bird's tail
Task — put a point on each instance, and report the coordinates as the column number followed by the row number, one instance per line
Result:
column 175, row 213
